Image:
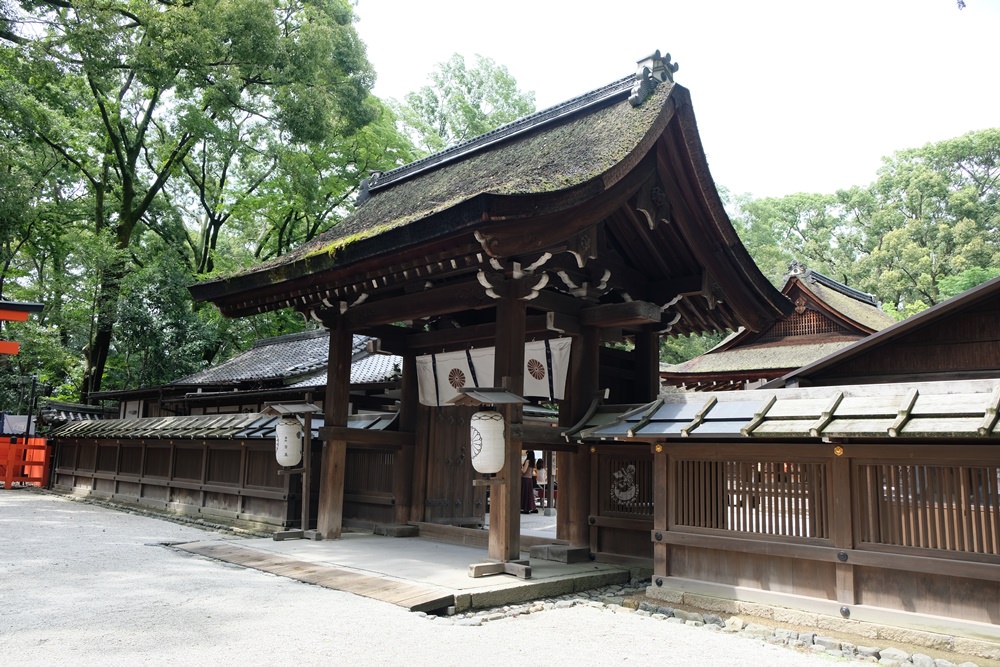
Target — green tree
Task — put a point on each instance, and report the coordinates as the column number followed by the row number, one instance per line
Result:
column 932, row 213
column 810, row 228
column 928, row 226
column 462, row 102
column 124, row 91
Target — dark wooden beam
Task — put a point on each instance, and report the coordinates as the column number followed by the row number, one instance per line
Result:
column 549, row 324
column 632, row 313
column 688, row 285
column 508, row 364
column 391, row 339
column 453, row 298
column 360, row 436
column 555, row 302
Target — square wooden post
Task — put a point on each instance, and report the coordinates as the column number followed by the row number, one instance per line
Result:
column 505, row 501
column 330, row 516
column 842, row 523
column 575, row 467
column 410, row 467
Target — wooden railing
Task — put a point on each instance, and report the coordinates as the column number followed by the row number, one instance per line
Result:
column 24, row 461
column 905, row 505
column 912, row 528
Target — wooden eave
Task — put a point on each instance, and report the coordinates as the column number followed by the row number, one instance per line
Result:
column 923, row 412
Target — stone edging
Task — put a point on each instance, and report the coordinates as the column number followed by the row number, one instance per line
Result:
column 631, row 599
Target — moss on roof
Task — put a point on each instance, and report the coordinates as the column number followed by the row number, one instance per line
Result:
column 863, row 313
column 757, row 358
column 557, row 156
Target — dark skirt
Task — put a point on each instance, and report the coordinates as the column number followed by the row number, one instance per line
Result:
column 528, row 495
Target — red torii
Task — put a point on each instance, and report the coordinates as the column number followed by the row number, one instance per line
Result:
column 15, row 311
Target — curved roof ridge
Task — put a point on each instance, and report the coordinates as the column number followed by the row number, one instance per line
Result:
column 797, row 269
column 381, row 180
column 844, row 289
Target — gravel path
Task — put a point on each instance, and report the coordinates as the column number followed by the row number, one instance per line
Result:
column 86, row 585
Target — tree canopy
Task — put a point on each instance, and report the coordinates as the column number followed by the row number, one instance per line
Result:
column 142, row 129
column 462, row 102
column 929, row 225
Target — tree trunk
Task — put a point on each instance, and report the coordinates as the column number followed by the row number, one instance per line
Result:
column 96, row 354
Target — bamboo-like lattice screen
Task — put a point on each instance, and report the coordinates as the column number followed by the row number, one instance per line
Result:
column 763, row 497
column 954, row 508
column 809, row 323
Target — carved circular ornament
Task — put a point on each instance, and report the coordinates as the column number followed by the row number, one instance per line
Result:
column 624, row 488
column 477, row 443
column 456, row 378
column 536, row 369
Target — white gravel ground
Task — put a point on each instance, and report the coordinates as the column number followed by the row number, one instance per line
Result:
column 84, row 585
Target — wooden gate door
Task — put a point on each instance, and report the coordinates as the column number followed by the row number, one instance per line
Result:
column 451, row 497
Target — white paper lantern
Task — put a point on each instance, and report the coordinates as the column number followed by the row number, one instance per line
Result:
column 488, row 451
column 288, row 442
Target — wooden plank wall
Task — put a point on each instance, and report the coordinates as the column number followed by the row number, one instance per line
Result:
column 622, row 503
column 234, row 481
column 966, row 341
column 904, row 527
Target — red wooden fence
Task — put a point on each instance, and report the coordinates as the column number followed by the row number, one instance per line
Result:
column 25, row 461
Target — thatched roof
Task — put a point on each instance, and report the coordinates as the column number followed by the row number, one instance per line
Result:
column 598, row 169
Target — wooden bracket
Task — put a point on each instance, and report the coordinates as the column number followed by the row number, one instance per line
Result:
column 827, row 416
column 903, row 415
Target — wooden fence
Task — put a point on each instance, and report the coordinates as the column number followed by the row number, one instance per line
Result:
column 912, row 528
column 24, row 460
column 232, row 480
column 621, row 506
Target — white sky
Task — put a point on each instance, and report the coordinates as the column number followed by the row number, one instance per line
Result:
column 790, row 95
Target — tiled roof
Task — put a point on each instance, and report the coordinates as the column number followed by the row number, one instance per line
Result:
column 365, row 369
column 55, row 412
column 300, row 358
column 216, row 427
column 273, row 358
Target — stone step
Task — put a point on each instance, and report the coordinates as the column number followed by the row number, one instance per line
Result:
column 561, row 553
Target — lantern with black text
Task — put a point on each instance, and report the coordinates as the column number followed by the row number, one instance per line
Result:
column 488, row 451
column 288, row 442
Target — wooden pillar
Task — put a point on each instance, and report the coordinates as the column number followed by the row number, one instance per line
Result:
column 647, row 366
column 842, row 524
column 405, row 470
column 330, row 517
column 505, row 503
column 662, row 508
column 575, row 467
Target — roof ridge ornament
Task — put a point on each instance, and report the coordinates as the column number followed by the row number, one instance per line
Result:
column 653, row 70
